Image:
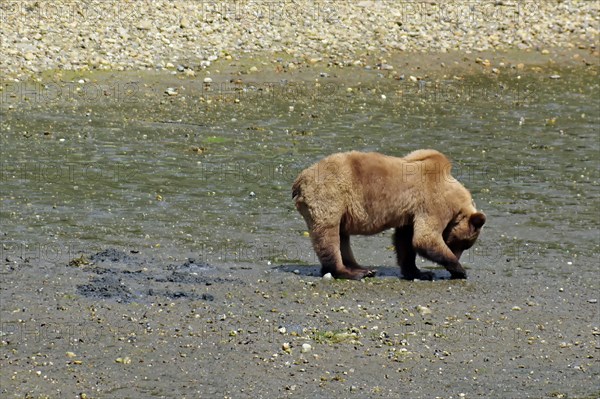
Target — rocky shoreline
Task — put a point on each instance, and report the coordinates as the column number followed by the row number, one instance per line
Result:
column 138, row 35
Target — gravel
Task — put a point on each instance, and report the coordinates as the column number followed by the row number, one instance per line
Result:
column 42, row 35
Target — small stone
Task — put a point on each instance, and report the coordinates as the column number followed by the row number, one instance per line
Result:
column 71, row 354
column 253, row 69
column 554, row 76
column 495, row 70
column 29, row 56
column 169, row 65
column 306, row 348
column 592, row 300
column 171, row 91
column 189, row 72
column 282, row 330
column 516, row 308
column 184, row 23
column 423, row 309
column 208, row 80
column 327, row 276
column 296, row 271
column 412, row 78
column 144, row 25
column 545, row 52
column 180, row 68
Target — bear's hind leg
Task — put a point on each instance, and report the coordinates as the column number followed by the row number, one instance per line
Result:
column 406, row 255
column 326, row 242
column 347, row 255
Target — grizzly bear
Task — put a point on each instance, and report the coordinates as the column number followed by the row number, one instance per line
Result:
column 365, row 193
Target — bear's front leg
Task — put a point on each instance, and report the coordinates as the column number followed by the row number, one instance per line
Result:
column 430, row 244
column 326, row 242
column 406, row 255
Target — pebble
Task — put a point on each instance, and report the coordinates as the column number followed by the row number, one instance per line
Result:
column 306, row 348
column 144, row 25
column 208, row 80
column 423, row 309
column 171, row 91
column 184, row 23
column 327, row 276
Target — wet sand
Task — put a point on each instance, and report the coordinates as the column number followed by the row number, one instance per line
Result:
column 138, row 320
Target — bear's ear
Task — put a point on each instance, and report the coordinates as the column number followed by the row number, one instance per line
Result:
column 477, row 220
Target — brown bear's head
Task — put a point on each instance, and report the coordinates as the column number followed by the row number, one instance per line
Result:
column 462, row 232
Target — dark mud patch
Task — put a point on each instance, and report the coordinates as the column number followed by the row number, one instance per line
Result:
column 301, row 270
column 181, row 295
column 106, row 287
column 122, row 277
column 111, row 255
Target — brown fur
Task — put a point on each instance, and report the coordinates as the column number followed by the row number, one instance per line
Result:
column 365, row 193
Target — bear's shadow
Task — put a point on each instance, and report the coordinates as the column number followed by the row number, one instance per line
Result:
column 381, row 271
